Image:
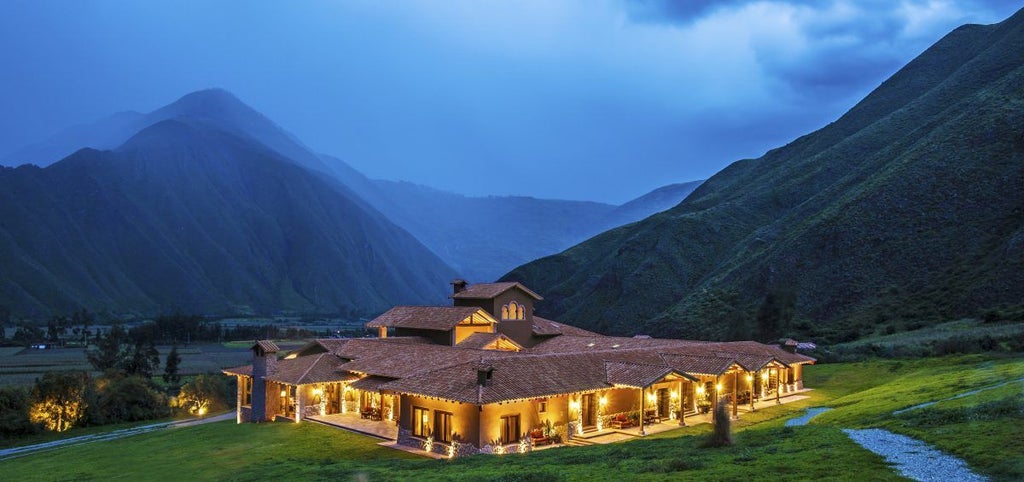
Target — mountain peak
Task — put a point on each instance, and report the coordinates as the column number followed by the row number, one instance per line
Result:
column 215, row 102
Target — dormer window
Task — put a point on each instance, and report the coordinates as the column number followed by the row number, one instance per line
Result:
column 513, row 311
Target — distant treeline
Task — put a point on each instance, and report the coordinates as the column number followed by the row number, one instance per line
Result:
column 80, row 328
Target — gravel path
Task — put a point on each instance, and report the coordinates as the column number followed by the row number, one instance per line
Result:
column 913, row 458
column 806, row 417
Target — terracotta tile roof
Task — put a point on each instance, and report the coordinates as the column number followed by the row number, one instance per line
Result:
column 309, row 369
column 487, row 291
column 399, row 360
column 563, row 364
column 481, row 341
column 545, row 327
column 698, row 364
column 519, row 377
column 370, row 383
column 267, row 346
column 595, row 343
column 244, row 370
column 636, row 375
column 439, row 318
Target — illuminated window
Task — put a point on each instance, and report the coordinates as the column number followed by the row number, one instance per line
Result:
column 510, row 429
column 542, row 406
column 442, row 426
column 420, row 422
column 513, row 311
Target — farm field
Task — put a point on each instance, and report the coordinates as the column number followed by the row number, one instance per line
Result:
column 21, row 366
column 981, row 427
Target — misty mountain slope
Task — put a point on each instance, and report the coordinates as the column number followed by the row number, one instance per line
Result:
column 216, row 107
column 656, row 201
column 906, row 210
column 106, row 133
column 484, row 237
column 481, row 237
column 185, row 217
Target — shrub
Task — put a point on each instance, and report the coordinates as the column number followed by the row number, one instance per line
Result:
column 14, row 407
column 721, row 435
column 126, row 399
column 207, row 393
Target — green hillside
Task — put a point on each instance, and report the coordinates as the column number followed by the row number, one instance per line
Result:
column 906, row 211
column 187, row 217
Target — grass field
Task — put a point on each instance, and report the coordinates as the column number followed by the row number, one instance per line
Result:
column 983, row 428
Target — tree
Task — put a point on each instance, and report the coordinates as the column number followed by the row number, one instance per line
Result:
column 55, row 328
column 27, row 335
column 171, row 376
column 84, row 318
column 5, row 319
column 58, row 399
column 109, row 352
column 140, row 359
column 206, row 393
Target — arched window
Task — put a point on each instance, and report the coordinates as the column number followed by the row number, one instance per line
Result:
column 513, row 311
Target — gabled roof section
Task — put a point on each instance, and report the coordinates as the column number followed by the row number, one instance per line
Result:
column 489, row 341
column 371, row 383
column 436, row 318
column 638, row 375
column 266, row 346
column 698, row 364
column 320, row 368
column 486, row 291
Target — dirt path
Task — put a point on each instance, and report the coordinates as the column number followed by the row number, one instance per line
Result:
column 22, row 451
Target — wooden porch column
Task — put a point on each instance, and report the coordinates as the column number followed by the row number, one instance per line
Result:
column 298, row 403
column 752, row 380
column 568, row 418
column 642, row 433
column 778, row 386
column 682, row 408
column 735, row 393
column 238, row 398
column 718, row 383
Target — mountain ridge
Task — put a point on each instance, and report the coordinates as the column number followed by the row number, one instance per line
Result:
column 184, row 217
column 883, row 219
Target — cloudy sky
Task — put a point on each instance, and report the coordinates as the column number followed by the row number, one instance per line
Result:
column 596, row 99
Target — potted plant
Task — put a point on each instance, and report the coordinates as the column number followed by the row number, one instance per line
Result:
column 704, row 405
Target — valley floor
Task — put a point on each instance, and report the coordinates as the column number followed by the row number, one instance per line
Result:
column 981, row 428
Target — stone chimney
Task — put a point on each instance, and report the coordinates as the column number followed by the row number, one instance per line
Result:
column 458, row 286
column 264, row 362
column 483, row 375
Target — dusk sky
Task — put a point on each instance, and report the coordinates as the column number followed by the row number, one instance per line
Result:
column 597, row 100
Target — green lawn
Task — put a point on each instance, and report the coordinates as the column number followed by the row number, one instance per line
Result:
column 984, row 429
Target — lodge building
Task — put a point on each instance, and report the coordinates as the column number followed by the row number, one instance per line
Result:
column 485, row 374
